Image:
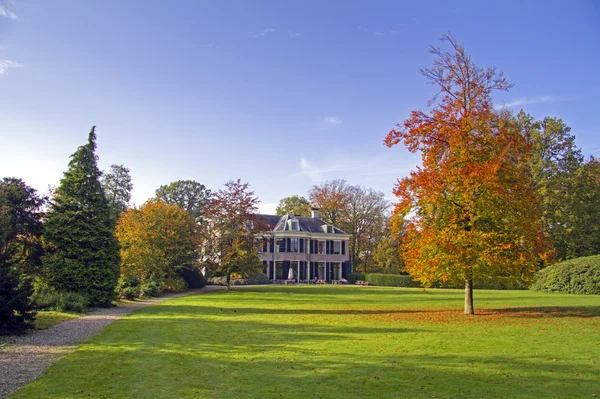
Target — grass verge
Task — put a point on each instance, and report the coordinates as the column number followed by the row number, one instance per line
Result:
column 340, row 342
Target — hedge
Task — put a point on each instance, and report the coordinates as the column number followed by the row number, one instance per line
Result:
column 390, row 280
column 575, row 276
column 396, row 280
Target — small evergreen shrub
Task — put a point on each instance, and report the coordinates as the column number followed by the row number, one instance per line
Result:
column 150, row 289
column 575, row 276
column 390, row 280
column 72, row 302
column 46, row 297
column 128, row 287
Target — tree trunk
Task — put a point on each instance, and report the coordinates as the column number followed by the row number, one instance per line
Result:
column 228, row 281
column 469, row 309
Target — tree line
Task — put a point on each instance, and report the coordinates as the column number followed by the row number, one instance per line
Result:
column 82, row 245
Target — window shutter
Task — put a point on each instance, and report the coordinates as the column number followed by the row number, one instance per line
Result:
column 288, row 244
column 327, row 251
column 343, row 247
column 311, row 246
column 302, row 245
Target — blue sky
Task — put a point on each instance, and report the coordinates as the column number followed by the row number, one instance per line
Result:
column 282, row 94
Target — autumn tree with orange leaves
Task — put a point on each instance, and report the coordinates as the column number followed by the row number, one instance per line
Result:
column 470, row 210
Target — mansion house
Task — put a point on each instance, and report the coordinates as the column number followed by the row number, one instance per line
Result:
column 310, row 247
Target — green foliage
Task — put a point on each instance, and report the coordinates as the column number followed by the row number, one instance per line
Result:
column 568, row 187
column 174, row 284
column 83, row 255
column 150, row 289
column 296, row 205
column 387, row 257
column 117, row 188
column 391, row 280
column 354, row 277
column 192, row 276
column 575, row 276
column 48, row 298
column 186, row 194
column 20, row 250
column 128, row 287
column 16, row 309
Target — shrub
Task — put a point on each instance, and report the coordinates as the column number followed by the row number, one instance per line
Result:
column 128, row 287
column 256, row 280
column 354, row 277
column 498, row 283
column 174, row 284
column 150, row 289
column 575, row 276
column 72, row 301
column 16, row 307
column 46, row 297
column 391, row 280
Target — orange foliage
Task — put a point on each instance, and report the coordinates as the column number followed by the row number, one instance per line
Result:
column 470, row 209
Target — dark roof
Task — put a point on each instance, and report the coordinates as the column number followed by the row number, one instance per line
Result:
column 308, row 224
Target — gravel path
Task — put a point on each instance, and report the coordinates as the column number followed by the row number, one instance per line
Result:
column 26, row 357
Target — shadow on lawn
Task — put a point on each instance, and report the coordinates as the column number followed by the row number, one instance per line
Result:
column 229, row 310
column 205, row 367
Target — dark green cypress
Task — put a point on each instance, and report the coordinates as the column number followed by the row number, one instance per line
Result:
column 83, row 251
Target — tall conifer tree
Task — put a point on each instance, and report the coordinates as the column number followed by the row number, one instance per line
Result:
column 84, row 254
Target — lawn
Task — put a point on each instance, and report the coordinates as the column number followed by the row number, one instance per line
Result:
column 47, row 318
column 340, row 342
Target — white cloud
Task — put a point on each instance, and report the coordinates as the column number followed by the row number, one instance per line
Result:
column 6, row 13
column 331, row 121
column 533, row 100
column 5, row 65
column 363, row 29
column 263, row 33
column 378, row 34
column 293, row 34
column 393, row 32
column 312, row 171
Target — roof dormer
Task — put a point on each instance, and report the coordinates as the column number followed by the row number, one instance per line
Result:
column 293, row 224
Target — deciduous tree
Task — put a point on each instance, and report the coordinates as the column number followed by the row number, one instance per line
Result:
column 331, row 198
column 83, row 254
column 471, row 210
column 564, row 183
column 156, row 240
column 117, row 188
column 230, row 231
column 187, row 194
column 295, row 205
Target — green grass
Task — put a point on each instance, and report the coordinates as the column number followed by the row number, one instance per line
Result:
column 48, row 318
column 340, row 342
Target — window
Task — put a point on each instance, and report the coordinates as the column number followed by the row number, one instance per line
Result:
column 294, row 245
column 293, row 225
column 337, row 270
column 329, row 229
column 280, row 245
column 337, row 247
column 321, row 250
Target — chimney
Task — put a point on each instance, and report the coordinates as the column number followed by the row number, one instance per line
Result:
column 314, row 212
